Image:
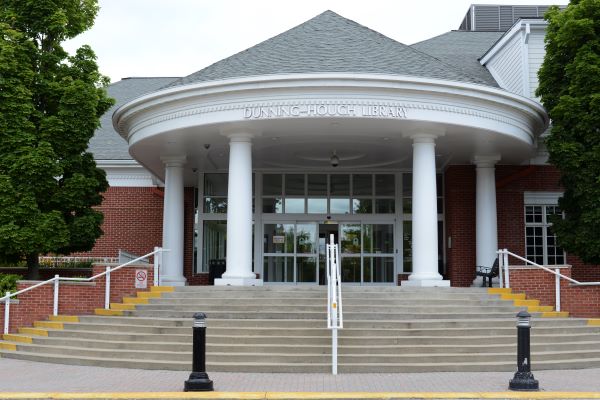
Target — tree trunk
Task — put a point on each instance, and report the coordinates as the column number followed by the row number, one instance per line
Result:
column 33, row 267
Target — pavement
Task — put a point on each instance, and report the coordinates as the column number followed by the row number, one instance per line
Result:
column 27, row 376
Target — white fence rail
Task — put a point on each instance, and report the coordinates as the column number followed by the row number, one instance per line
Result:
column 56, row 282
column 503, row 259
column 335, row 317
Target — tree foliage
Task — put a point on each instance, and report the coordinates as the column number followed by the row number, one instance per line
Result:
column 570, row 90
column 50, row 106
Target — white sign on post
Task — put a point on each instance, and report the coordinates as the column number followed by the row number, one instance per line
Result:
column 141, row 279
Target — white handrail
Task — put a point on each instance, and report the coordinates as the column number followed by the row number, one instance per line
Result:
column 504, row 253
column 157, row 251
column 335, row 319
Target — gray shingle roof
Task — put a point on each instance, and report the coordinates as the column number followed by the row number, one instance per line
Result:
column 330, row 43
column 462, row 49
column 106, row 144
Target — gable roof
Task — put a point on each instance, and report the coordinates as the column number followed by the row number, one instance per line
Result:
column 330, row 43
column 462, row 49
column 107, row 144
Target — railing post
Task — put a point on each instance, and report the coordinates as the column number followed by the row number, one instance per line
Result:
column 507, row 278
column 157, row 253
column 6, row 312
column 557, row 290
column 107, row 290
column 501, row 268
column 56, row 284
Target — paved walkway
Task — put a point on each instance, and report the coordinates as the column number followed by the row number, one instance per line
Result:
column 27, row 376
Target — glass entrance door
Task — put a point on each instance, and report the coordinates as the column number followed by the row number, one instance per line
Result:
column 325, row 232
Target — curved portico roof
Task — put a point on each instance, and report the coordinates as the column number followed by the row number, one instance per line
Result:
column 330, row 43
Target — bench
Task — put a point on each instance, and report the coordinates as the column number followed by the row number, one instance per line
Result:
column 488, row 272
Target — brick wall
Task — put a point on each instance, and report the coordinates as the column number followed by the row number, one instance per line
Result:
column 459, row 196
column 132, row 221
column 579, row 301
column 75, row 298
column 511, row 183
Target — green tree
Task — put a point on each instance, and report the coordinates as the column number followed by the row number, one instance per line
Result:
column 570, row 90
column 50, row 106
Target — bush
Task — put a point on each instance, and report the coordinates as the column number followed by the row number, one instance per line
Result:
column 8, row 283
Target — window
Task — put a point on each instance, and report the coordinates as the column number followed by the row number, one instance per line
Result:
column 541, row 246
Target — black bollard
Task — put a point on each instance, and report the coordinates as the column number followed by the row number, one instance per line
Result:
column 523, row 379
column 199, row 381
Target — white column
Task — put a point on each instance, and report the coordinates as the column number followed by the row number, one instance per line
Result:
column 172, row 268
column 486, row 222
column 239, row 214
column 424, row 214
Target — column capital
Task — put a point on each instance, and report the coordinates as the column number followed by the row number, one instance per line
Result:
column 239, row 134
column 174, row 161
column 424, row 135
column 486, row 161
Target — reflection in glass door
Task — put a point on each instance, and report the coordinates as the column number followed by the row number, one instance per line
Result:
column 290, row 253
column 367, row 253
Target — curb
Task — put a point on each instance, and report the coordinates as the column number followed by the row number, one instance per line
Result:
column 300, row 395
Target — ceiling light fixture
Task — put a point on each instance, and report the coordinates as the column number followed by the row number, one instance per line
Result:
column 334, row 160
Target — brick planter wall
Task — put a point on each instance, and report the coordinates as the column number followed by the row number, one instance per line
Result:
column 74, row 298
column 579, row 301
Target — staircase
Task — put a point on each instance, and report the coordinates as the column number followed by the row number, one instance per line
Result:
column 283, row 329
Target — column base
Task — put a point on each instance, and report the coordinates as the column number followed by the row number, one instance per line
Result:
column 172, row 281
column 426, row 283
column 238, row 282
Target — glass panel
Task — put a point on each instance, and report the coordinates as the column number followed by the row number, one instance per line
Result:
column 407, row 205
column 340, row 185
column 215, row 184
column 306, row 269
column 215, row 205
column 279, row 238
column 350, row 238
column 272, row 205
column 294, row 206
column 350, row 269
column 407, row 185
column 378, row 269
column 362, row 185
column 317, row 206
column 278, row 269
column 317, row 185
column 439, row 184
column 385, row 206
column 339, row 206
column 378, row 238
column 362, row 206
column 214, row 246
column 272, row 184
column 407, row 246
column 440, row 205
column 306, row 236
column 294, row 185
column 385, row 185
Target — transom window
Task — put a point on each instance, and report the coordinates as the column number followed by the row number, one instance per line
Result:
column 541, row 246
column 329, row 193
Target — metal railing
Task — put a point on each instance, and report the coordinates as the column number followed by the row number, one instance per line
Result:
column 335, row 317
column 158, row 252
column 504, row 266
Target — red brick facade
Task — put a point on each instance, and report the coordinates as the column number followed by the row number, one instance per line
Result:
column 511, row 184
column 74, row 298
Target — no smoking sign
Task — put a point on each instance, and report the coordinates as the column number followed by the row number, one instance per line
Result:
column 141, row 279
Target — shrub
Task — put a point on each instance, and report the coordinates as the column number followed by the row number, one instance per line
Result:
column 8, row 283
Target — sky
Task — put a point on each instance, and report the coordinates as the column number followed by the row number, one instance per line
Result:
column 178, row 37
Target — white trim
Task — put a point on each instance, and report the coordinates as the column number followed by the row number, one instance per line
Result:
column 127, row 173
column 499, row 45
column 541, row 198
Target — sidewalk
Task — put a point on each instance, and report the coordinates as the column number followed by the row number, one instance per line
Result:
column 26, row 376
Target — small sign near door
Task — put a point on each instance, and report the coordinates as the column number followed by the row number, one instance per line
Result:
column 278, row 239
column 141, row 279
